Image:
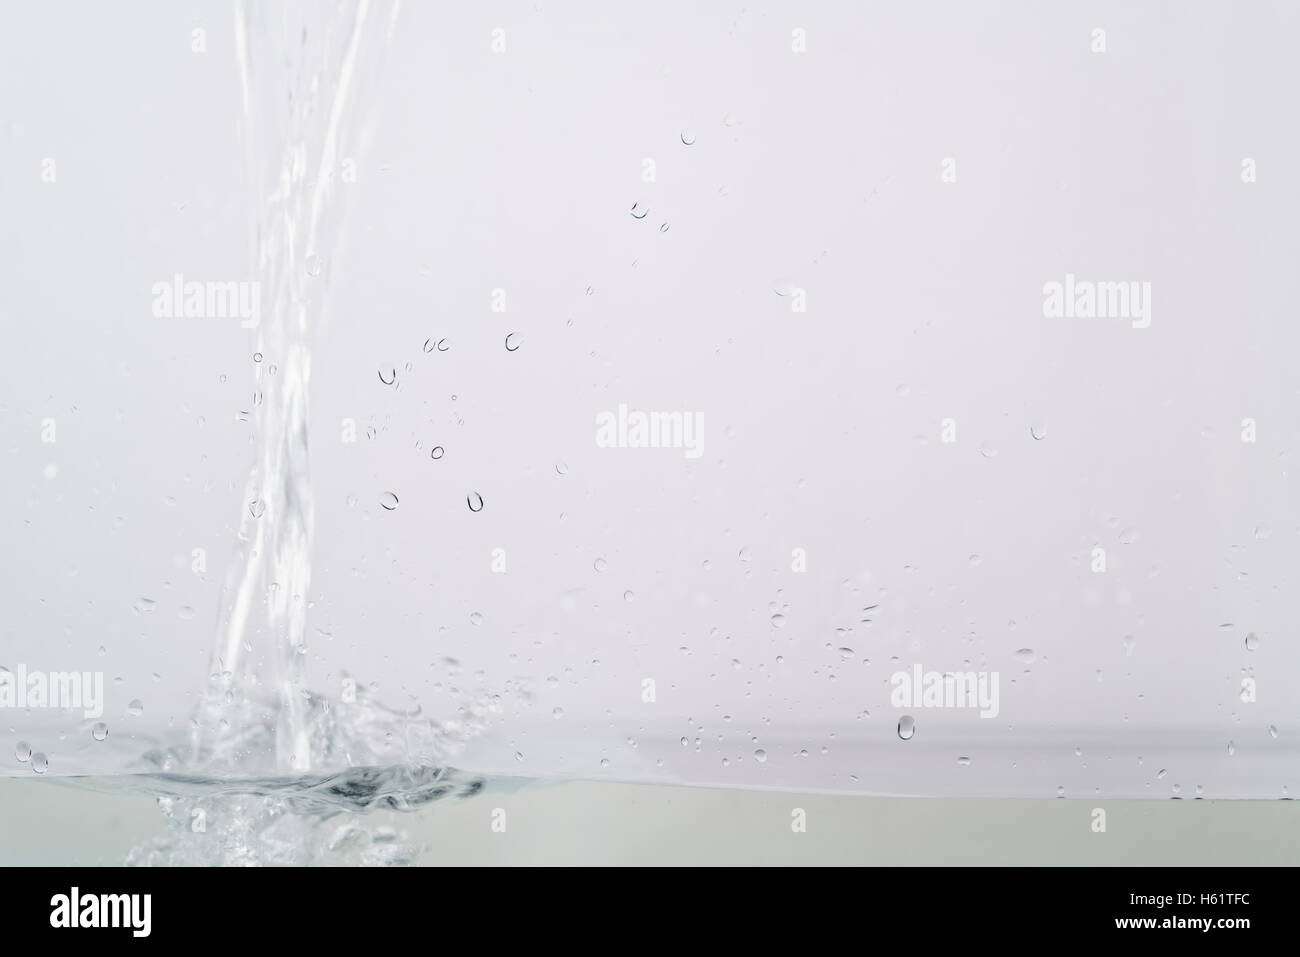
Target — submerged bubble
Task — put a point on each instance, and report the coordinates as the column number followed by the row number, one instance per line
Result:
column 100, row 731
column 475, row 501
column 906, row 727
column 388, row 500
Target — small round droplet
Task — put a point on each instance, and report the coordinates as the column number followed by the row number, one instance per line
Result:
column 906, row 727
column 257, row 357
column 40, row 762
column 388, row 501
column 963, row 762
column 100, row 731
column 1038, row 430
column 663, row 227
column 688, row 138
column 1025, row 655
column 561, row 468
column 988, row 450
column 388, row 376
column 1272, row 731
column 512, row 342
column 629, row 596
column 437, row 452
column 639, row 211
column 557, row 713
column 760, row 756
column 600, row 564
column 257, row 508
column 846, row 653
column 23, row 751
column 1232, row 748
column 604, row 762
column 1252, row 642
column 745, row 554
column 519, row 755
column 313, row 265
column 476, row 618
column 135, row 707
column 778, row 620
column 475, row 501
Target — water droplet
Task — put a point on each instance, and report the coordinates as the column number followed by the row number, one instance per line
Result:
column 144, row 606
column 600, row 564
column 963, row 762
column 1232, row 749
column 846, row 653
column 1038, row 429
column 629, row 596
column 313, row 265
column 257, row 357
column 40, row 762
column 1060, row 791
column 639, row 211
column 561, row 468
column 688, row 138
column 745, row 554
column 186, row 613
column 988, row 450
column 388, row 376
column 906, row 727
column 475, row 501
column 476, row 618
column 135, row 707
column 974, row 560
column 23, row 751
column 1129, row 643
column 663, row 227
column 1272, row 731
column 519, row 755
column 760, row 756
column 437, row 452
column 100, row 731
column 1128, row 536
column 604, row 762
column 1252, row 642
column 257, row 508
column 512, row 343
column 388, row 501
column 1161, row 773
column 557, row 713
column 1025, row 655
column 778, row 620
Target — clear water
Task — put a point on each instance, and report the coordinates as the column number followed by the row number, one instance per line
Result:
column 276, row 773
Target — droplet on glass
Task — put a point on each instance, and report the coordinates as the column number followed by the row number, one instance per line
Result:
column 388, row 501
column 313, row 265
column 639, row 211
column 475, row 618
column 475, row 501
column 760, row 755
column 906, row 727
column 663, row 227
column 100, row 731
column 963, row 762
column 388, row 376
column 561, row 468
column 1038, row 430
column 1252, row 642
column 40, row 762
column 600, row 564
column 512, row 342
column 135, row 707
column 23, row 751
column 1025, row 655
column 688, row 138
column 437, row 452
column 257, row 508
